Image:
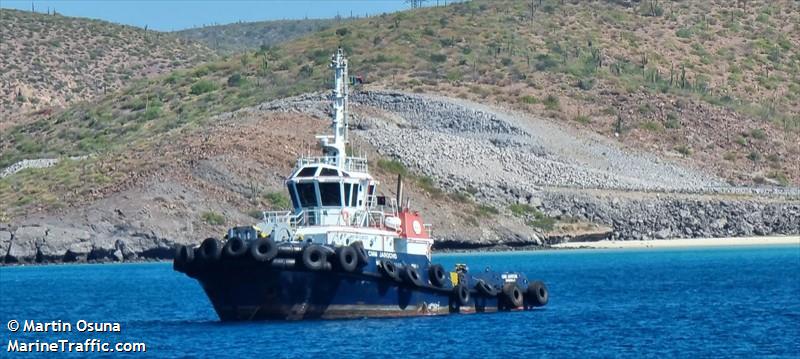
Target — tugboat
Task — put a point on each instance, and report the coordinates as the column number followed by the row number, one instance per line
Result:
column 342, row 251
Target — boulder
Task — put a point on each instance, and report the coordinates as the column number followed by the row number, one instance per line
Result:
column 78, row 252
column 663, row 234
column 24, row 246
column 5, row 243
column 58, row 241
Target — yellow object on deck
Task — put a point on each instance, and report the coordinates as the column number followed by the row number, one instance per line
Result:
column 454, row 278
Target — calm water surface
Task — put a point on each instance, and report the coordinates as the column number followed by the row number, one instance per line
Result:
column 715, row 302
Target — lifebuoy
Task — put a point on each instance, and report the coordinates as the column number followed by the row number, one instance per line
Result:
column 210, row 250
column 345, row 216
column 436, row 275
column 315, row 258
column 485, row 288
column 263, row 249
column 513, row 295
column 537, row 295
column 412, row 276
column 235, row 247
column 348, row 258
column 390, row 269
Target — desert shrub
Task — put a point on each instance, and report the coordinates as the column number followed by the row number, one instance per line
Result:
column 151, row 113
column 758, row 134
column 672, row 121
column 684, row 33
column 213, row 218
column 306, row 71
column 460, row 197
column 552, row 102
column 486, row 210
column 684, row 150
column 545, row 62
column 255, row 213
column 652, row 126
column 392, row 166
column 586, row 84
column 235, row 80
column 277, row 199
column 438, row 58
column 427, row 184
column 729, row 156
column 202, row 86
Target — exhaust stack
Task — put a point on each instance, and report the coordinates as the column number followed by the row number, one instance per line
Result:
column 400, row 190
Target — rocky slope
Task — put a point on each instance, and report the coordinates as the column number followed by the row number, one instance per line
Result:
column 490, row 191
column 503, row 157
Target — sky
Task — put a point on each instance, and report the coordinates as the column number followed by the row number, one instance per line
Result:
column 169, row 15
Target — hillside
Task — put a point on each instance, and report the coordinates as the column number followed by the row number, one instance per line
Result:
column 657, row 120
column 54, row 60
column 660, row 83
column 237, row 37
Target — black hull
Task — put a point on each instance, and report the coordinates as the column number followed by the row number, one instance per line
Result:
column 283, row 288
column 295, row 295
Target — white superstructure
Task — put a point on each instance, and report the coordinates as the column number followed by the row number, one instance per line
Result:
column 334, row 199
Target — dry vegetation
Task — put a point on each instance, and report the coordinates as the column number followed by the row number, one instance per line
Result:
column 712, row 84
column 238, row 37
column 53, row 60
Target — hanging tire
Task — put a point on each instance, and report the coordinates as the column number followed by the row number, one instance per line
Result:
column 210, row 250
column 234, row 248
column 485, row 289
column 390, row 270
column 461, row 294
column 315, row 258
column 411, row 276
column 348, row 258
column 363, row 257
column 513, row 295
column 436, row 275
column 263, row 250
column 537, row 294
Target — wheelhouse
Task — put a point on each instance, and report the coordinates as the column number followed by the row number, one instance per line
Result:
column 329, row 195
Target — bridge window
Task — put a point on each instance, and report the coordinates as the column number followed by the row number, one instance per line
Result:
column 328, row 172
column 307, row 194
column 307, row 172
column 331, row 194
column 292, row 195
column 348, row 200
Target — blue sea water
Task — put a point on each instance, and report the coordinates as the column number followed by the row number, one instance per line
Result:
column 712, row 302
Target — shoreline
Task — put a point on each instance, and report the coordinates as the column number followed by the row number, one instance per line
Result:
column 682, row 243
column 602, row 244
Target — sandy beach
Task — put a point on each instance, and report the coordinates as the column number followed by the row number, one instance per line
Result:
column 692, row 242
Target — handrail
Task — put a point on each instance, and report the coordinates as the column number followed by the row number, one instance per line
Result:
column 311, row 217
column 354, row 164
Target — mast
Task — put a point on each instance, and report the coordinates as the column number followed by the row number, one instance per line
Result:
column 339, row 120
